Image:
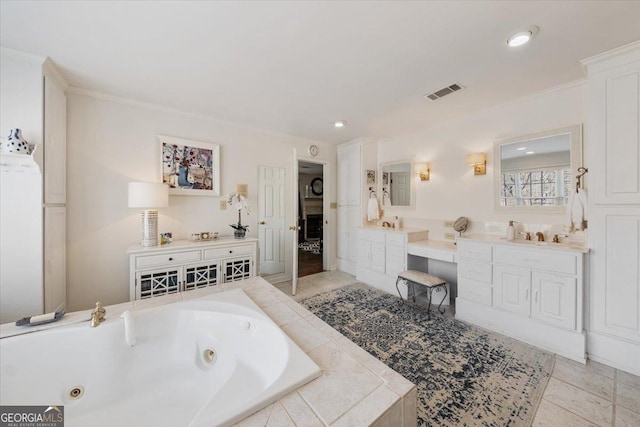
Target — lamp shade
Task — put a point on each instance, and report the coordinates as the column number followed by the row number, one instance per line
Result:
column 148, row 195
column 475, row 159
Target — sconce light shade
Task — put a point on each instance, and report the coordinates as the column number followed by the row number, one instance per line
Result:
column 242, row 189
column 479, row 163
column 423, row 169
column 148, row 195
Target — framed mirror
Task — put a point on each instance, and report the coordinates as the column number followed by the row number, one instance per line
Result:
column 536, row 173
column 397, row 184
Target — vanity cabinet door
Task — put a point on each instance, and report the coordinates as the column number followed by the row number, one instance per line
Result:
column 554, row 299
column 364, row 253
column 512, row 287
column 201, row 276
column 378, row 257
column 615, row 126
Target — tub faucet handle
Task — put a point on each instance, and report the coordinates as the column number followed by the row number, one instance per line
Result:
column 97, row 315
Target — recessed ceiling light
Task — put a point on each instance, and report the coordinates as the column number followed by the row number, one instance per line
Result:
column 522, row 37
column 530, row 152
column 340, row 123
column 521, row 148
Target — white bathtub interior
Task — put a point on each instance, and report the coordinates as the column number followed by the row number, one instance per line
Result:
column 202, row 362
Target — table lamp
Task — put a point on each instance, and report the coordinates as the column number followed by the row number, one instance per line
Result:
column 148, row 195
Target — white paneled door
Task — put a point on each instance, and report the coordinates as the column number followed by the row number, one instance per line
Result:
column 271, row 219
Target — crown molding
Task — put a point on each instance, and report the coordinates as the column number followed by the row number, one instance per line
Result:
column 611, row 53
column 22, row 55
column 186, row 114
column 51, row 71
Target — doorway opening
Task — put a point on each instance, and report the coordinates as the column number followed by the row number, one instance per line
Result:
column 310, row 218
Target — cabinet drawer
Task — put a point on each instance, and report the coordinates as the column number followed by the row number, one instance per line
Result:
column 474, row 250
column 474, row 270
column 167, row 259
column 396, row 239
column 372, row 235
column 537, row 260
column 228, row 251
column 477, row 292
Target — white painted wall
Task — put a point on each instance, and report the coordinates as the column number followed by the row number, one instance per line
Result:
column 453, row 189
column 22, row 96
column 112, row 142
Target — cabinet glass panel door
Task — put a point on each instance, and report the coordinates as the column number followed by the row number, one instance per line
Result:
column 237, row 269
column 201, row 276
column 158, row 282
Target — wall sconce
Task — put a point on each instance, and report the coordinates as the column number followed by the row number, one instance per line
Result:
column 148, row 195
column 242, row 190
column 479, row 163
column 423, row 169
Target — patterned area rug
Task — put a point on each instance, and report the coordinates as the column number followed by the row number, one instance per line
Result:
column 465, row 375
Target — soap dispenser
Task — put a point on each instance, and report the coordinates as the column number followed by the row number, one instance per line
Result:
column 511, row 231
column 396, row 222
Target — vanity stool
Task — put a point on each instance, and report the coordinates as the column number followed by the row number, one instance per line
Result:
column 411, row 277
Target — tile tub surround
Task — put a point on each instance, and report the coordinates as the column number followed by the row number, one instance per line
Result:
column 355, row 389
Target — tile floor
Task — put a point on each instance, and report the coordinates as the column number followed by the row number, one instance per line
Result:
column 576, row 395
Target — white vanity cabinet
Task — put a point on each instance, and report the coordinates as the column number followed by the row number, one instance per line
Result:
column 382, row 254
column 532, row 293
column 187, row 265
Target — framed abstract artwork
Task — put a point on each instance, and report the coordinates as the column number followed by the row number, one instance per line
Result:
column 189, row 168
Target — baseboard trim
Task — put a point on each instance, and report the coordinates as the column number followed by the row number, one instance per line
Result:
column 569, row 344
column 614, row 352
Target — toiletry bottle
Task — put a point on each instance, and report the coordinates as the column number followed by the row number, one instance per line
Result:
column 396, row 222
column 511, row 231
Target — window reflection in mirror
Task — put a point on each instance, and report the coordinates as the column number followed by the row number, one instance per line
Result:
column 396, row 183
column 537, row 171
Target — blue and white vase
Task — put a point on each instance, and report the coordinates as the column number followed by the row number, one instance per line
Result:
column 15, row 143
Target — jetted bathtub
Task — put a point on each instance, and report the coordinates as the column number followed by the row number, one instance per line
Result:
column 210, row 361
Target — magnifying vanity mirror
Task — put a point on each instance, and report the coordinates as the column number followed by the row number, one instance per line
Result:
column 536, row 173
column 397, row 186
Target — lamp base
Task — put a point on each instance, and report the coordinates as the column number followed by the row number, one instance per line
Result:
column 149, row 228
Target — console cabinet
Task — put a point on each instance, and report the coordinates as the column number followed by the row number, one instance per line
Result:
column 185, row 265
column 528, row 292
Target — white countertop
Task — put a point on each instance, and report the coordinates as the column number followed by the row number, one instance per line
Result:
column 401, row 230
column 190, row 244
column 521, row 243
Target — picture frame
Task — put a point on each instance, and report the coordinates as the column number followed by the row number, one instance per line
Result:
column 371, row 176
column 385, row 178
column 189, row 168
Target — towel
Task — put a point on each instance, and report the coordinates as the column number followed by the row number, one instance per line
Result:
column 372, row 209
column 576, row 219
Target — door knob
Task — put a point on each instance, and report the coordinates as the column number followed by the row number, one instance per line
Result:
column 262, row 223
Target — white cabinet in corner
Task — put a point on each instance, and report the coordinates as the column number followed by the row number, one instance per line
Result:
column 382, row 254
column 531, row 293
column 187, row 265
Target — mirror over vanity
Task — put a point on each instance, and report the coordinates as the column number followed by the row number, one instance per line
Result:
column 537, row 172
column 397, row 186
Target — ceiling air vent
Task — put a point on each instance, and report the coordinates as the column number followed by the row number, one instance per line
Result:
column 444, row 91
